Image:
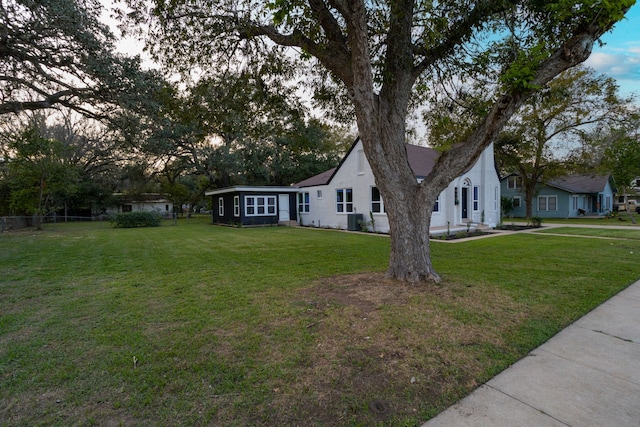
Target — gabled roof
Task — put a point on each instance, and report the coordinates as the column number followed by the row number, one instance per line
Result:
column 421, row 160
column 580, row 183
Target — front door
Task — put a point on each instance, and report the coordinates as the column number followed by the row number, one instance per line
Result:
column 465, row 203
column 283, row 207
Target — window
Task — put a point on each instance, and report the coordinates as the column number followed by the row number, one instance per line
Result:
column 514, row 182
column 360, row 162
column 547, row 203
column 260, row 205
column 220, row 206
column 303, row 202
column 476, row 198
column 436, row 206
column 574, row 201
column 377, row 205
column 344, row 200
column 319, row 194
column 517, row 202
column 236, row 205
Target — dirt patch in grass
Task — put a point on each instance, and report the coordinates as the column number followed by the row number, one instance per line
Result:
column 386, row 353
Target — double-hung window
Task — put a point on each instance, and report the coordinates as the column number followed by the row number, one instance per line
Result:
column 260, row 205
column 220, row 206
column 517, row 202
column 303, row 202
column 476, row 198
column 236, row 206
column 547, row 203
column 377, row 205
column 514, row 182
column 436, row 206
column 344, row 200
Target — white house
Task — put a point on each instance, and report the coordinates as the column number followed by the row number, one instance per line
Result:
column 145, row 202
column 334, row 199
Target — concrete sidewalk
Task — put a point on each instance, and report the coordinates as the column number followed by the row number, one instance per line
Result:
column 586, row 375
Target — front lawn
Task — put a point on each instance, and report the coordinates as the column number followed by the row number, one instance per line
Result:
column 627, row 233
column 193, row 324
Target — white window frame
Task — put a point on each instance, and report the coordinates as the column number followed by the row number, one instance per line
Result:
column 258, row 205
column 346, row 204
column 319, row 194
column 546, row 199
column 514, row 182
column 236, row 206
column 220, row 206
column 476, row 198
column 436, row 205
column 360, row 162
column 517, row 201
column 303, row 202
column 379, row 201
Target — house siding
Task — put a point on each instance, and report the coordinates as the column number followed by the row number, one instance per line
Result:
column 357, row 176
column 593, row 202
column 229, row 216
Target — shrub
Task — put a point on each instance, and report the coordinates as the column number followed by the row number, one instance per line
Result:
column 536, row 221
column 136, row 219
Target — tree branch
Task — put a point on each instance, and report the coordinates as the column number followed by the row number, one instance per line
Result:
column 338, row 61
column 457, row 34
column 463, row 155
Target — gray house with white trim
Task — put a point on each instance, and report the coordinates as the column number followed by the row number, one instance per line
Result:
column 564, row 197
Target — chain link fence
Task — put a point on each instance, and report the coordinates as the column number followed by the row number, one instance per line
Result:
column 12, row 223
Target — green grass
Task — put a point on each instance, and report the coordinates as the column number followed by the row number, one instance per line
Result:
column 202, row 325
column 618, row 219
column 631, row 233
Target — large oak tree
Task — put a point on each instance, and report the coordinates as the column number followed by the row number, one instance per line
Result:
column 58, row 54
column 386, row 56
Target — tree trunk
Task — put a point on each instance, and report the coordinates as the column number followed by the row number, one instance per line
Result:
column 409, row 221
column 381, row 123
column 528, row 199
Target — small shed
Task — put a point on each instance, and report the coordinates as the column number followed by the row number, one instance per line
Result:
column 253, row 206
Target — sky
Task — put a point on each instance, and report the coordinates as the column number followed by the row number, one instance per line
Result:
column 620, row 56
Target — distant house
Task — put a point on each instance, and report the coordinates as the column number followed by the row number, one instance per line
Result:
column 253, row 206
column 145, row 202
column 343, row 196
column 564, row 197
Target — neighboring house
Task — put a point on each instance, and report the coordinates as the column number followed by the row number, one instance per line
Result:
column 343, row 196
column 145, row 202
column 247, row 206
column 564, row 197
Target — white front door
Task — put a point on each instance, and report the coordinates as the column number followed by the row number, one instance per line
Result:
column 283, row 207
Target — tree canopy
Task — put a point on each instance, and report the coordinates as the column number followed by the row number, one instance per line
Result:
column 57, row 53
column 549, row 135
column 386, row 56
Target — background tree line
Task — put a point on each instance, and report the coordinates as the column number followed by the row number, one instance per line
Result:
column 80, row 122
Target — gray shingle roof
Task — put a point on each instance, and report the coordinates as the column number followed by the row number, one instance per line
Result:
column 421, row 160
column 580, row 183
